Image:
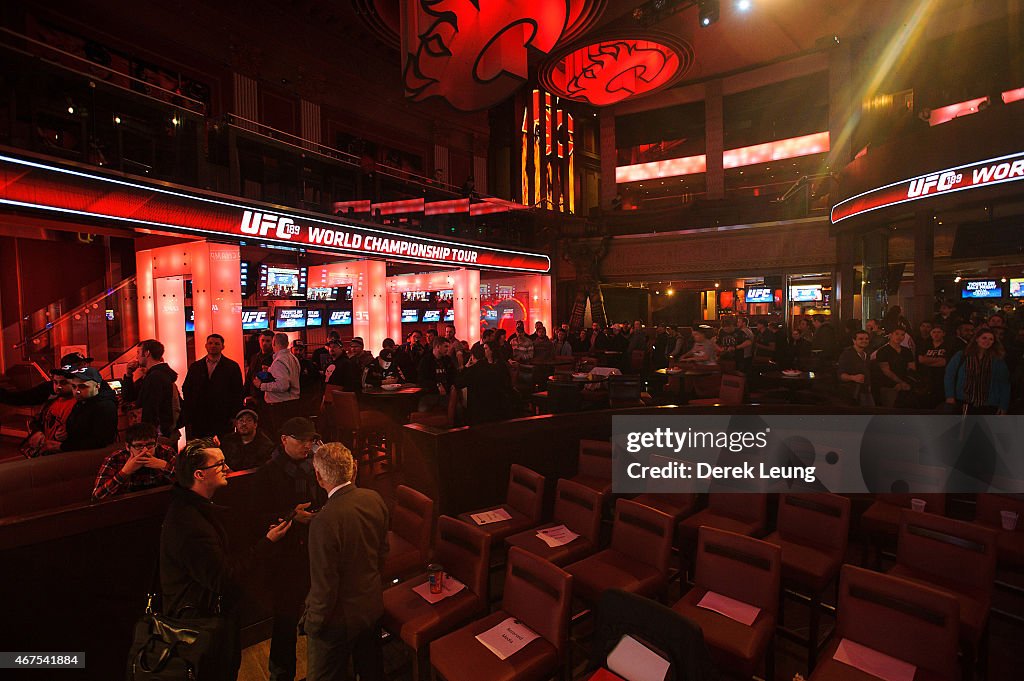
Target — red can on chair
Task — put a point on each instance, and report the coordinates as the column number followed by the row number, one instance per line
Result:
column 435, row 577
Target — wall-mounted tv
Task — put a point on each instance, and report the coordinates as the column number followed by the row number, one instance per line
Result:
column 449, row 315
column 806, row 293
column 1017, row 288
column 446, row 296
column 254, row 319
column 758, row 295
column 981, row 288
column 322, row 294
column 415, row 296
column 340, row 318
column 431, row 315
column 410, row 316
column 290, row 318
column 282, row 281
column 314, row 318
column 243, row 270
column 190, row 320
column 491, row 314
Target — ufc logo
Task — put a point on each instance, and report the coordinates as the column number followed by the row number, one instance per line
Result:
column 251, row 316
column 261, row 224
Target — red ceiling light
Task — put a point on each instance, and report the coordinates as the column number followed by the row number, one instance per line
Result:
column 617, row 67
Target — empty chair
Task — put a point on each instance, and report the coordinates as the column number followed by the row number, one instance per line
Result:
column 464, row 552
column 538, row 594
column 1009, row 543
column 742, row 569
column 894, row 617
column 436, row 418
column 679, row 505
column 594, row 467
column 579, row 509
column 730, row 392
column 743, row 513
column 881, row 521
column 957, row 558
column 637, row 560
column 524, row 502
column 412, row 530
column 624, row 392
column 343, row 420
column 812, row 533
column 564, row 396
column 677, row 639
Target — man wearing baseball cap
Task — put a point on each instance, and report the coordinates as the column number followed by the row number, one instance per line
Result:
column 246, row 447
column 92, row 423
column 40, row 393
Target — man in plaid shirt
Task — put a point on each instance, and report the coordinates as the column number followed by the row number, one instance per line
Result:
column 140, row 465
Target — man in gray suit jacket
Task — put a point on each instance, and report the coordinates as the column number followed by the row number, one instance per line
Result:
column 347, row 548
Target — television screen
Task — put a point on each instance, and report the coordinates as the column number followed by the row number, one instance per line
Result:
column 982, row 288
column 491, row 314
column 449, row 315
column 290, row 318
column 446, row 296
column 347, row 291
column 243, row 270
column 254, row 319
column 415, row 296
column 190, row 320
column 321, row 294
column 282, row 281
column 431, row 316
column 340, row 318
column 759, row 295
column 806, row 293
column 410, row 316
column 1017, row 288
column 314, row 318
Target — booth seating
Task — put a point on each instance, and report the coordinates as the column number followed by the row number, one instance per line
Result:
column 49, row 482
column 579, row 509
column 524, row 501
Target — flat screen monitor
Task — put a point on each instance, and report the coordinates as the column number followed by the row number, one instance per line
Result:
column 314, row 318
column 243, row 270
column 346, row 291
column 290, row 318
column 807, row 293
column 491, row 315
column 190, row 320
column 431, row 315
column 981, row 288
column 415, row 296
column 759, row 295
column 446, row 296
column 322, row 294
column 254, row 319
column 410, row 316
column 1017, row 288
column 282, row 281
column 340, row 318
column 449, row 315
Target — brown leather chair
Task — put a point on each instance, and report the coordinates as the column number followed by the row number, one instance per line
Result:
column 411, row 533
column 465, row 553
column 730, row 392
column 538, row 594
column 957, row 558
column 439, row 419
column 594, row 467
column 747, row 570
column 1009, row 543
column 624, row 392
column 344, row 420
column 579, row 509
column 895, row 617
column 880, row 523
column 679, row 505
column 524, row 501
column 812, row 531
column 637, row 560
column 743, row 513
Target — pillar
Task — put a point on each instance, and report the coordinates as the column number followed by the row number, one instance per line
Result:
column 714, row 140
column 843, row 289
column 609, row 154
column 923, row 303
column 368, row 279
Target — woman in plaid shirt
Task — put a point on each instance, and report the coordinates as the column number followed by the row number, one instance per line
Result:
column 140, row 465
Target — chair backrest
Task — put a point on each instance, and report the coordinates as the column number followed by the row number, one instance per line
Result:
column 595, row 459
column 745, row 506
column 732, row 389
column 565, row 396
column 707, row 385
column 526, row 492
column 900, row 618
column 413, row 518
column 955, row 551
column 539, row 594
column 643, row 533
column 821, row 520
column 579, row 508
column 935, row 503
column 526, row 378
column 454, row 395
column 343, row 409
column 739, row 567
column 623, row 390
column 636, row 361
column 989, row 507
column 465, row 553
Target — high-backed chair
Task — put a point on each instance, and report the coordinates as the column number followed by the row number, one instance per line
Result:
column 881, row 521
column 594, row 467
column 637, row 560
column 1009, row 543
column 812, row 531
column 524, row 501
column 464, row 552
column 895, row 617
column 730, row 392
column 746, row 570
column 624, row 392
column 957, row 558
column 579, row 509
column 539, row 595
column 342, row 419
column 411, row 533
column 743, row 513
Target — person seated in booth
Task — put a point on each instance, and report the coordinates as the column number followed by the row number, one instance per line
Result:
column 854, row 369
column 247, row 447
column 383, row 371
column 142, row 463
column 358, row 355
column 49, row 427
column 436, row 376
column 40, row 393
column 798, row 351
column 92, row 423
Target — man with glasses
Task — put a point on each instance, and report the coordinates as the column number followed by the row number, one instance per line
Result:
column 141, row 464
column 247, row 447
column 49, row 427
column 283, row 486
column 200, row 573
column 92, row 423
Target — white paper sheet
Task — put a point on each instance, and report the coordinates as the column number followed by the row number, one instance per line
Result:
column 634, row 661
column 507, row 638
column 560, row 535
column 744, row 613
column 872, row 662
column 496, row 516
column 451, row 587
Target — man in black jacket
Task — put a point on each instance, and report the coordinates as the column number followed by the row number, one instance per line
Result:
column 92, row 423
column 212, row 392
column 199, row 577
column 286, row 484
column 435, row 375
column 150, row 384
column 347, row 548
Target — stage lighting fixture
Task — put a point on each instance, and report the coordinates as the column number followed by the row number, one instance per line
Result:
column 708, row 11
column 744, row 5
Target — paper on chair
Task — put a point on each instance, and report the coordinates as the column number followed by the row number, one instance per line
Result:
column 451, row 587
column 507, row 638
column 872, row 662
column 603, row 674
column 634, row 661
column 487, row 517
column 559, row 535
column 744, row 613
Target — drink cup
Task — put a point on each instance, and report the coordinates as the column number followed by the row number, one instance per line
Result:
column 918, row 505
column 1009, row 519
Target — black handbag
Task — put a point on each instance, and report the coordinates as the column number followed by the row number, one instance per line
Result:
column 176, row 648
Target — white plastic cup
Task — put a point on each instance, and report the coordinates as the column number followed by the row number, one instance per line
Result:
column 918, row 505
column 1009, row 519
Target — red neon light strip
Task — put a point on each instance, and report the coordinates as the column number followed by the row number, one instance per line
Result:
column 1013, row 95
column 398, row 207
column 947, row 113
column 446, row 207
column 688, row 165
column 353, row 206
